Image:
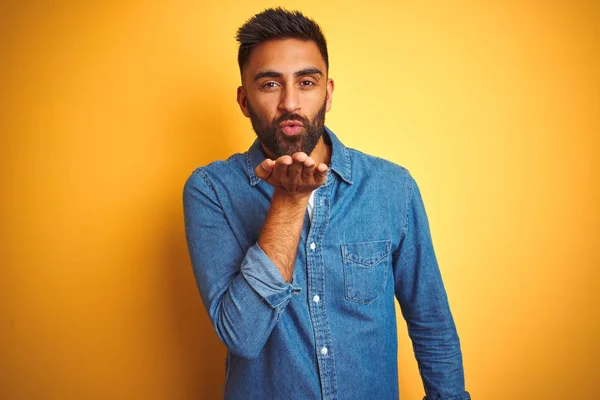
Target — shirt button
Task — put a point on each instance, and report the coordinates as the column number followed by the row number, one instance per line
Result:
column 324, row 351
column 316, row 298
column 313, row 246
column 321, row 202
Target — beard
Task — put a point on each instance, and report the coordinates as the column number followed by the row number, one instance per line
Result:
column 273, row 138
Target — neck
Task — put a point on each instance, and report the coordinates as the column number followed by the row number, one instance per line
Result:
column 321, row 153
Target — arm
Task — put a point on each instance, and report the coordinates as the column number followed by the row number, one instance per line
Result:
column 281, row 232
column 424, row 304
column 294, row 179
column 244, row 291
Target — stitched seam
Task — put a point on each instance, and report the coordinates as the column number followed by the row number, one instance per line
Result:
column 388, row 246
column 209, row 183
column 406, row 206
column 348, row 166
column 367, row 265
column 253, row 178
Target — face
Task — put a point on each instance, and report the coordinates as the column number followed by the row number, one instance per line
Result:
column 285, row 92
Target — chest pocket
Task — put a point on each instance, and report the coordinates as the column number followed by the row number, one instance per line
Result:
column 366, row 266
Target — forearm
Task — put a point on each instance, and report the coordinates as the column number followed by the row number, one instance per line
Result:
column 431, row 327
column 249, row 309
column 437, row 350
column 281, row 231
column 424, row 304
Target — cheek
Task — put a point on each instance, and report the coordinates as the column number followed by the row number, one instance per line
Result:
column 316, row 104
column 266, row 107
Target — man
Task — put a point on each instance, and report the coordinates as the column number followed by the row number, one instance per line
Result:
column 299, row 245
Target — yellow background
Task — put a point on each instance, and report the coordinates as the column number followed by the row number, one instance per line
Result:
column 106, row 108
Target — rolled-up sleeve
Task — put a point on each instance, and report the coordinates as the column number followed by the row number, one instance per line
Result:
column 267, row 280
column 242, row 289
column 424, row 305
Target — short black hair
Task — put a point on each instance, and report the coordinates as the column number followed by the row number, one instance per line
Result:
column 278, row 23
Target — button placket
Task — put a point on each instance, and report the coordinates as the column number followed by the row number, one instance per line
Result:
column 316, row 286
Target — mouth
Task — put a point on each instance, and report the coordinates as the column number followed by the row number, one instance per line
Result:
column 291, row 128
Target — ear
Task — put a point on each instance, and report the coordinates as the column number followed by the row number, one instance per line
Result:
column 242, row 99
column 330, row 85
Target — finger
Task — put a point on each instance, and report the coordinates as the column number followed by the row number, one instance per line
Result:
column 308, row 169
column 321, row 173
column 294, row 172
column 299, row 157
column 264, row 169
column 280, row 170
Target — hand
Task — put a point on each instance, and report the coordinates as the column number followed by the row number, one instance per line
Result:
column 297, row 174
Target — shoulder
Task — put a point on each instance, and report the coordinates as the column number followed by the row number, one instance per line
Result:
column 232, row 165
column 217, row 173
column 372, row 167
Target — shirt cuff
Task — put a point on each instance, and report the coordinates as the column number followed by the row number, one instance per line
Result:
column 264, row 277
column 465, row 396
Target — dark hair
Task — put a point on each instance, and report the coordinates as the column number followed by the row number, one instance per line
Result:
column 278, row 23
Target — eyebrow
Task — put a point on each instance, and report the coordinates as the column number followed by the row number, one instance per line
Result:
column 274, row 74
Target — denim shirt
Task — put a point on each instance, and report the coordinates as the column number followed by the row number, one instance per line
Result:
column 331, row 332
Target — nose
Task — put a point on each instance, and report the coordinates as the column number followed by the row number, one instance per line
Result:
column 290, row 101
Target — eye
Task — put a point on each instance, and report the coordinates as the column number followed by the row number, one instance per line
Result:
column 269, row 85
column 306, row 82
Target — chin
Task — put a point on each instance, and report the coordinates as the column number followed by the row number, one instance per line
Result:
column 286, row 140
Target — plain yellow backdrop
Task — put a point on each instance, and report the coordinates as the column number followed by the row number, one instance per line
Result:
column 107, row 107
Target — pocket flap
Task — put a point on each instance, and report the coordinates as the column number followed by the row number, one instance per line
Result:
column 366, row 253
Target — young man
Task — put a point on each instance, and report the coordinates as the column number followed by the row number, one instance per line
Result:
column 299, row 245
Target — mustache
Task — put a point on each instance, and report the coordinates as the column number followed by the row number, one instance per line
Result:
column 291, row 117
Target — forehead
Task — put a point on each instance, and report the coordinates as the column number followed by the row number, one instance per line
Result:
column 285, row 56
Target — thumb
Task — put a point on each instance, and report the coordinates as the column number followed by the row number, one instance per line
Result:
column 264, row 169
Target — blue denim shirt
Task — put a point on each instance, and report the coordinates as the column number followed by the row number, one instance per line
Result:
column 331, row 332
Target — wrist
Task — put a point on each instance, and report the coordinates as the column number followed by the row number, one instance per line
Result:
column 299, row 199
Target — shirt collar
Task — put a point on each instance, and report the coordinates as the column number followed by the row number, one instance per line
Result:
column 340, row 158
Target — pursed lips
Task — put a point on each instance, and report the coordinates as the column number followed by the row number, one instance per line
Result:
column 290, row 123
column 291, row 127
